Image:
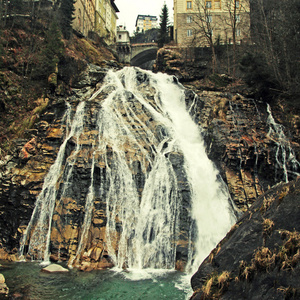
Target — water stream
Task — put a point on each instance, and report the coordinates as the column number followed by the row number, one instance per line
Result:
column 285, row 156
column 145, row 224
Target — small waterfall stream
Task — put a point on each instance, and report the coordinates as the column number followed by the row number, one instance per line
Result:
column 285, row 156
column 142, row 130
column 41, row 220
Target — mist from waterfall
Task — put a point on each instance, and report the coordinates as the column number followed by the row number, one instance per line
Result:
column 142, row 226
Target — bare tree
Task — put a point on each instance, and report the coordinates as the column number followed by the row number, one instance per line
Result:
column 235, row 20
column 275, row 52
column 204, row 28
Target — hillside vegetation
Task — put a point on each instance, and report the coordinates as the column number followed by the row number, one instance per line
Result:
column 37, row 64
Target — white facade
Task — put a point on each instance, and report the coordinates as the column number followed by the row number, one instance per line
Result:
column 122, row 35
column 145, row 22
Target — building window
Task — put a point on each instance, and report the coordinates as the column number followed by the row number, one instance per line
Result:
column 208, row 4
column 189, row 19
column 217, row 4
column 237, row 18
column 209, row 19
column 237, row 4
column 189, row 4
column 238, row 32
column 189, row 32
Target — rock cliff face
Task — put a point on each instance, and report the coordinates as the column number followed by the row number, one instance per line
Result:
column 249, row 148
column 242, row 139
column 63, row 193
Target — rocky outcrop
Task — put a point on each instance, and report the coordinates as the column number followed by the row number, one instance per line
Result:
column 23, row 172
column 259, row 258
column 181, row 63
column 4, row 290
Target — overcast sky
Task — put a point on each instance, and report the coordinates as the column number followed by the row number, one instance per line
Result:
column 130, row 9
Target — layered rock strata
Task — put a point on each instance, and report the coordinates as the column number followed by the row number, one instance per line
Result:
column 249, row 148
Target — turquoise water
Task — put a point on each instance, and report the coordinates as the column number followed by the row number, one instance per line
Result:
column 27, row 279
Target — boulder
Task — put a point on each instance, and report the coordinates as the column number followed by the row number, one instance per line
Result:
column 2, row 279
column 4, row 290
column 54, row 268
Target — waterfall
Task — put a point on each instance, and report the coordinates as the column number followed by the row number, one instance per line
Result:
column 211, row 208
column 41, row 219
column 285, row 156
column 152, row 168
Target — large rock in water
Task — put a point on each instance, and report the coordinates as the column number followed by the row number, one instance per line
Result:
column 260, row 257
column 54, row 268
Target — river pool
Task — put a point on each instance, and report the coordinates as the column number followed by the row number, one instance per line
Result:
column 26, row 280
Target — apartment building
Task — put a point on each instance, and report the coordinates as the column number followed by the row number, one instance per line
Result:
column 145, row 22
column 99, row 16
column 194, row 20
column 84, row 16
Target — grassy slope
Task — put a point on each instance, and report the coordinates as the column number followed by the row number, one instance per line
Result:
column 24, row 96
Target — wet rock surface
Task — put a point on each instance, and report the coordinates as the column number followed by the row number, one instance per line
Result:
column 54, row 268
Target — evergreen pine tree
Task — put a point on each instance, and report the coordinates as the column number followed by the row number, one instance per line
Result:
column 52, row 52
column 66, row 12
column 163, row 30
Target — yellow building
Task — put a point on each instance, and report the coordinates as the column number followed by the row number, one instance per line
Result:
column 99, row 16
column 84, row 16
column 194, row 20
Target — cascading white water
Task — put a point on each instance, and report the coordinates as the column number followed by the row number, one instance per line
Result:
column 285, row 156
column 41, row 219
column 142, row 226
column 211, row 208
column 151, row 231
column 148, row 224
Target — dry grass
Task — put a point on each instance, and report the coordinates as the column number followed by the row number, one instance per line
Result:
column 267, row 203
column 207, row 287
column 265, row 260
column 223, row 279
column 289, row 292
column 267, row 226
column 213, row 253
column 246, row 271
column 283, row 193
column 215, row 285
column 289, row 253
